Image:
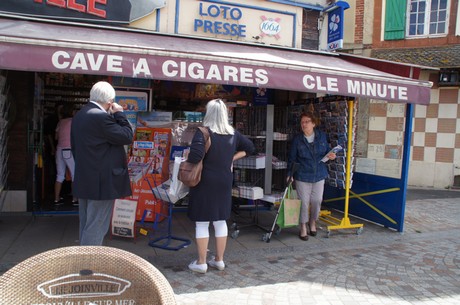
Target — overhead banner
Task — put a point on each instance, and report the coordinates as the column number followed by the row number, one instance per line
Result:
column 107, row 11
column 160, row 57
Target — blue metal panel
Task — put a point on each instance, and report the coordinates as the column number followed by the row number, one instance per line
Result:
column 385, row 208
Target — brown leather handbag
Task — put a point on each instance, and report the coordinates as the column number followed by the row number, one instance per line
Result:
column 190, row 173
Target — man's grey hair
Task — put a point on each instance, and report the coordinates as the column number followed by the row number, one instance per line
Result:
column 216, row 117
column 102, row 93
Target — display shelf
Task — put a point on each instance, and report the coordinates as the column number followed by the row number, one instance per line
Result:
column 266, row 127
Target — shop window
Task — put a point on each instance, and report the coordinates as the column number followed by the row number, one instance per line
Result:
column 449, row 77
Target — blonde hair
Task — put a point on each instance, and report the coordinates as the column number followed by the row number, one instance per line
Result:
column 216, row 117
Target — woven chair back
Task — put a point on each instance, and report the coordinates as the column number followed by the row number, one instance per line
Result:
column 85, row 275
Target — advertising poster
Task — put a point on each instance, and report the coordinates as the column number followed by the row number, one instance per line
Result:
column 154, row 118
column 132, row 102
column 124, row 218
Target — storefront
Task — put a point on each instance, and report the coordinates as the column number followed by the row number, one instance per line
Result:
column 25, row 45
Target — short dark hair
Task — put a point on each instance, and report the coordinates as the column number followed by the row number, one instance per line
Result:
column 311, row 116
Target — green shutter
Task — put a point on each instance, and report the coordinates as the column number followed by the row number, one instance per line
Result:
column 395, row 19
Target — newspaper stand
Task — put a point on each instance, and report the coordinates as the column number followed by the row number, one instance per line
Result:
column 164, row 241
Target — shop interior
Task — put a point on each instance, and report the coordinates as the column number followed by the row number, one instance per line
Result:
column 268, row 117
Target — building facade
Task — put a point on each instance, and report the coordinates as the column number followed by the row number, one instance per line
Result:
column 424, row 33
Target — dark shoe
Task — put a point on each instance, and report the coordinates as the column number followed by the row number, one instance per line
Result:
column 75, row 203
column 310, row 231
column 304, row 238
column 59, row 202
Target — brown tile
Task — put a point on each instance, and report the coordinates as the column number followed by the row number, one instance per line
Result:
column 457, row 140
column 447, row 125
column 376, row 137
column 448, row 96
column 430, row 139
column 395, row 124
column 434, row 77
column 418, row 153
column 393, row 151
column 432, row 111
column 419, row 124
column 445, row 155
column 378, row 109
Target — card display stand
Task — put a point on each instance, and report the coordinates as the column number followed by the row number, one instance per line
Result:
column 4, row 108
column 166, row 240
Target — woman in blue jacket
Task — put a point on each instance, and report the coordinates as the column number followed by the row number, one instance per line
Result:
column 307, row 150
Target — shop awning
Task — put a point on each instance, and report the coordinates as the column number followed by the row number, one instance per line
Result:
column 32, row 45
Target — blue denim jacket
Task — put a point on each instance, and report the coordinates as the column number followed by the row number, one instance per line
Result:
column 308, row 157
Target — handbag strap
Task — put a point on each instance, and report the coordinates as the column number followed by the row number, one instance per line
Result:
column 207, row 137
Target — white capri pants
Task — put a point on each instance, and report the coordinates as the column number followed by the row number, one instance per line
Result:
column 64, row 158
column 311, row 195
column 202, row 229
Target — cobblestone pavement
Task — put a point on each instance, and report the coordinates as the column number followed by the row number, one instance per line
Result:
column 379, row 266
column 421, row 266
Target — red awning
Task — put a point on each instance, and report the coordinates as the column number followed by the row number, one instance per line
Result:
column 71, row 48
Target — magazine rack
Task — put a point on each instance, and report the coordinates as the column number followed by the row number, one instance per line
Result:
column 165, row 241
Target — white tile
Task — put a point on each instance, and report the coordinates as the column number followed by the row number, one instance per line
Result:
column 420, row 111
column 445, row 140
column 419, row 138
column 457, row 129
column 394, row 137
column 430, row 154
column 434, row 98
column 431, row 125
column 457, row 157
column 378, row 123
column 417, row 173
column 447, row 111
column 376, row 151
column 395, row 110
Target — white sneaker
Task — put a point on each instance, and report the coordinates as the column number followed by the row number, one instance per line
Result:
column 200, row 268
column 219, row 265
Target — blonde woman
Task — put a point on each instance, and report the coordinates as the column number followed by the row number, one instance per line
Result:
column 211, row 200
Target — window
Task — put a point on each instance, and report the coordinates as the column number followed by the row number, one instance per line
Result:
column 449, row 77
column 427, row 17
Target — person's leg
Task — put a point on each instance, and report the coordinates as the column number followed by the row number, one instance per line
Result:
column 70, row 163
column 316, row 199
column 57, row 191
column 60, row 175
column 303, row 190
column 221, row 233
column 98, row 214
column 202, row 240
column 82, row 215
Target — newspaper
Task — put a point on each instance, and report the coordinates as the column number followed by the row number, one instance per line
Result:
column 334, row 150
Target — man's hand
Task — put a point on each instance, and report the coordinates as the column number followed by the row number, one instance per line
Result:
column 114, row 107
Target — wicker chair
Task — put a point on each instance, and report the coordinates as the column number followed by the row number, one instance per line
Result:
column 85, row 275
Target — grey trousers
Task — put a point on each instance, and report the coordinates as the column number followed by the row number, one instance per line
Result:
column 311, row 195
column 95, row 218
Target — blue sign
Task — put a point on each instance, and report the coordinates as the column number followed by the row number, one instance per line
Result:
column 335, row 22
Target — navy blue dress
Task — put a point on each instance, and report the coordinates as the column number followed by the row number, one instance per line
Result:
column 211, row 199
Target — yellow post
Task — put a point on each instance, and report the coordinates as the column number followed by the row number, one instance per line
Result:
column 345, row 222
